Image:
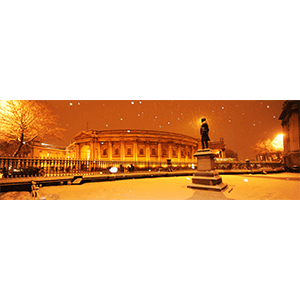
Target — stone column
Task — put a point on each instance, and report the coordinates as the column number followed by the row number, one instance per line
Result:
column 206, row 178
column 122, row 151
column 159, row 151
column 109, row 150
column 148, row 151
column 78, row 151
column 135, row 149
column 179, row 152
column 170, row 151
column 186, row 153
column 92, row 155
column 99, row 151
column 96, row 153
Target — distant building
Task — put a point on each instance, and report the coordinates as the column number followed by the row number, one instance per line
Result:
column 290, row 122
column 39, row 149
column 218, row 148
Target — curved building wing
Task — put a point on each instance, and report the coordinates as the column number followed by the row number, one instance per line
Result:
column 133, row 145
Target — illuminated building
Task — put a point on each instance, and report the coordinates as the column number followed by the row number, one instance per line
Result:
column 290, row 122
column 127, row 145
column 137, row 145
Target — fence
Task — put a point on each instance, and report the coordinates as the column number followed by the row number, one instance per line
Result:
column 254, row 165
column 12, row 167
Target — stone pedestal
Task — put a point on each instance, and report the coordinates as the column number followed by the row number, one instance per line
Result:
column 206, row 177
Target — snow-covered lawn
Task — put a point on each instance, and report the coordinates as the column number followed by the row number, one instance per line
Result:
column 244, row 188
column 282, row 186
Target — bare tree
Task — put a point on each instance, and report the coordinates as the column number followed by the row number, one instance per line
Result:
column 268, row 146
column 22, row 121
column 231, row 154
column 262, row 146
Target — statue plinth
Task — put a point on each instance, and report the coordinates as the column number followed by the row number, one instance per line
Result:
column 206, row 178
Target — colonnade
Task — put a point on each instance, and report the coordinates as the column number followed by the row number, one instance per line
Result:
column 134, row 151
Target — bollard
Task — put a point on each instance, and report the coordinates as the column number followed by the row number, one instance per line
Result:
column 35, row 190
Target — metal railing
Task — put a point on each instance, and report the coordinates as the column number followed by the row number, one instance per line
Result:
column 254, row 165
column 15, row 167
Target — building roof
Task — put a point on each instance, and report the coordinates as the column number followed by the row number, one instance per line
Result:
column 134, row 133
column 288, row 107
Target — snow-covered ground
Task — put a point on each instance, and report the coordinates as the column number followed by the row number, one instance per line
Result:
column 281, row 186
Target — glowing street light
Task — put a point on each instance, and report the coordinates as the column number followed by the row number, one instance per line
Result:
column 277, row 143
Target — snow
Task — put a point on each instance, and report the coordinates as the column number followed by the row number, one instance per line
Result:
column 282, row 186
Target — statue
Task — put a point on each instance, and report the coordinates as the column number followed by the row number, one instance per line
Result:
column 204, row 130
column 206, row 177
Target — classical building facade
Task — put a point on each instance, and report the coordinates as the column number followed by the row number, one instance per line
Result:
column 137, row 145
column 35, row 149
column 125, row 145
column 39, row 149
column 290, row 122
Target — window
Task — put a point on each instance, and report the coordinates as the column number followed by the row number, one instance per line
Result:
column 117, row 151
column 104, row 152
column 129, row 151
column 141, row 151
column 153, row 152
column 174, row 152
column 164, row 152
